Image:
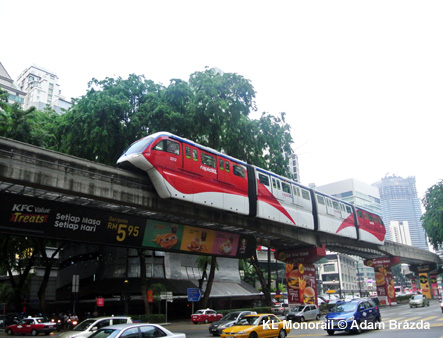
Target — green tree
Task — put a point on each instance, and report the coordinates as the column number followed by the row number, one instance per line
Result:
column 17, row 256
column 100, row 124
column 30, row 126
column 433, row 216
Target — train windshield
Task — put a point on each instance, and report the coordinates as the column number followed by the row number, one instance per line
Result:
column 138, row 146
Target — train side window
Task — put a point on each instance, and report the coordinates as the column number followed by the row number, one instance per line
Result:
column 220, row 164
column 360, row 215
column 305, row 195
column 328, row 202
column 296, row 191
column 238, row 171
column 172, row 147
column 227, row 166
column 188, row 152
column 195, row 154
column 274, row 183
column 335, row 205
column 370, row 218
column 278, row 185
column 263, row 179
column 208, row 160
column 348, row 210
column 320, row 199
column 285, row 188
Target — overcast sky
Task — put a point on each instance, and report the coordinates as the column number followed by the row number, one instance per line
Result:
column 361, row 82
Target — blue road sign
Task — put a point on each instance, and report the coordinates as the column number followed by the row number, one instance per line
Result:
column 194, row 294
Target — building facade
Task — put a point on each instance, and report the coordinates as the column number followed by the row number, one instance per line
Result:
column 355, row 192
column 400, row 203
column 338, row 274
column 42, row 89
column 6, row 83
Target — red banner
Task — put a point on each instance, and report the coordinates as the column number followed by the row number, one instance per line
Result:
column 150, row 296
column 100, row 302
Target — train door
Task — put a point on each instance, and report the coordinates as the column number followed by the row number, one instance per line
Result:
column 224, row 170
column 237, row 199
column 287, row 203
column 169, row 162
column 207, row 191
column 190, row 169
column 267, row 204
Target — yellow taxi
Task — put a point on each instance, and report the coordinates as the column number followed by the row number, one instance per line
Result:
column 257, row 326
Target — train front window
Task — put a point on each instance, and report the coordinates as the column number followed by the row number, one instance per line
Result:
column 168, row 146
column 138, row 146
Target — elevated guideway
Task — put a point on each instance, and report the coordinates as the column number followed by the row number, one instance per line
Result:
column 43, row 174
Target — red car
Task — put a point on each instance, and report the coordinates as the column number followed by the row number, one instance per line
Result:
column 31, row 325
column 205, row 316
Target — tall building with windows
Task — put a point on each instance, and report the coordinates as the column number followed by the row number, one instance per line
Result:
column 400, row 203
column 6, row 83
column 293, row 166
column 400, row 232
column 42, row 88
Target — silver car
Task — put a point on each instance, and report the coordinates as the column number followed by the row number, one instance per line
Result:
column 136, row 331
column 418, row 300
column 302, row 313
column 90, row 325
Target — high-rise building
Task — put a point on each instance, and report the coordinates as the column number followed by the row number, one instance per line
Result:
column 6, row 83
column 293, row 166
column 400, row 232
column 355, row 192
column 42, row 88
column 399, row 202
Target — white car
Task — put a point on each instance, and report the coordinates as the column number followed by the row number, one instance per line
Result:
column 90, row 325
column 135, row 330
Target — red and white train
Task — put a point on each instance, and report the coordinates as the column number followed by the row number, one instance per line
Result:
column 185, row 170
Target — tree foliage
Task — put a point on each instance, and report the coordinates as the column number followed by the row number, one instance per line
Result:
column 433, row 216
column 30, row 126
column 100, row 123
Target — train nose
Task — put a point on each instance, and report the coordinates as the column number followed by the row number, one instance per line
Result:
column 134, row 162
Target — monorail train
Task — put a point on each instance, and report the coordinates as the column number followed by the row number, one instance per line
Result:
column 182, row 169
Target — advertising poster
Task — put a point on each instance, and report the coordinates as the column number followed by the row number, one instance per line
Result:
column 424, row 285
column 384, row 279
column 300, row 273
column 434, row 285
column 414, row 284
column 28, row 216
column 301, row 281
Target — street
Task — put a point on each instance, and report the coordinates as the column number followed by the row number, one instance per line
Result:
column 397, row 321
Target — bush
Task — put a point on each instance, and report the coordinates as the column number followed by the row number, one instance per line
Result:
column 152, row 318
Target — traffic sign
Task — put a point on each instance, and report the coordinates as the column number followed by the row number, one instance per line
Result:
column 194, row 294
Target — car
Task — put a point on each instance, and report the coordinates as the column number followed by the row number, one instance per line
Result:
column 418, row 300
column 230, row 319
column 348, row 316
column 301, row 313
column 90, row 325
column 280, row 308
column 133, row 330
column 205, row 316
column 254, row 326
column 32, row 326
